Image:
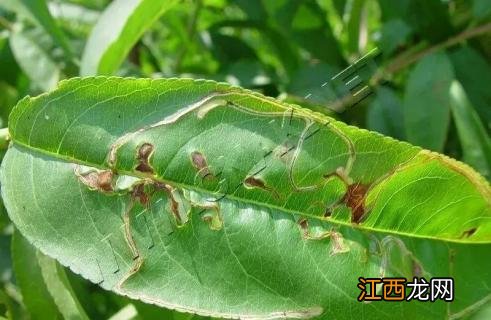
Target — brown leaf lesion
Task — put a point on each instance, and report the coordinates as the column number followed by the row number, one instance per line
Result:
column 253, row 182
column 143, row 155
column 337, row 243
column 353, row 198
column 199, row 162
column 98, row 180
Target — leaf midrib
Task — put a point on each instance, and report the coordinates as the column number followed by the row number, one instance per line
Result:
column 239, row 199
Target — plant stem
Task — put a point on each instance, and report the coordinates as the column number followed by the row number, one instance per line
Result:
column 402, row 61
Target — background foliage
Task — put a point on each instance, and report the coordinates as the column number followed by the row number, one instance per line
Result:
column 430, row 86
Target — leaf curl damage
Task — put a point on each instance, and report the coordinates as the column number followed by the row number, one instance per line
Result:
column 96, row 179
column 143, row 155
column 338, row 244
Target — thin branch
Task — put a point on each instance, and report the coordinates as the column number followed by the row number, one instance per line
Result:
column 402, row 61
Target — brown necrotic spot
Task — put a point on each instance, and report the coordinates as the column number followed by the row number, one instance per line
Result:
column 138, row 193
column 97, row 180
column 304, row 227
column 253, row 182
column 174, row 205
column 468, row 233
column 199, row 162
column 143, row 157
column 354, row 198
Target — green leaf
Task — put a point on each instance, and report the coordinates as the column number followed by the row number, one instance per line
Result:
column 30, row 280
column 39, row 10
column 385, row 113
column 119, row 27
column 353, row 25
column 426, row 102
column 58, row 286
column 394, row 33
column 126, row 313
column 34, row 60
column 481, row 9
column 206, row 198
column 474, row 77
column 476, row 143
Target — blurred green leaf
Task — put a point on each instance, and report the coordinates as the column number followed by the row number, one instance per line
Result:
column 394, row 33
column 254, row 9
column 481, row 9
column 312, row 32
column 39, row 10
column 312, row 82
column 476, row 143
column 77, row 17
column 36, row 297
column 10, row 69
column 128, row 312
column 6, row 308
column 5, row 259
column 58, row 286
column 385, row 113
column 474, row 73
column 32, row 57
column 8, row 98
column 393, row 9
column 355, row 12
column 284, row 50
column 426, row 102
column 119, row 27
column 430, row 18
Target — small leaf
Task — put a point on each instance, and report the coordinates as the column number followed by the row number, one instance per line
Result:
column 426, row 102
column 28, row 274
column 353, row 25
column 34, row 60
column 117, row 30
column 394, row 33
column 128, row 312
column 385, row 113
column 39, row 10
column 58, row 286
column 476, row 143
column 475, row 78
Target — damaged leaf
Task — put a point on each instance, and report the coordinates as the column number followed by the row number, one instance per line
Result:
column 215, row 200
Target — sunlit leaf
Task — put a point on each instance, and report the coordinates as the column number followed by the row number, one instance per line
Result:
column 476, row 143
column 210, row 199
column 39, row 9
column 119, row 27
column 34, row 60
